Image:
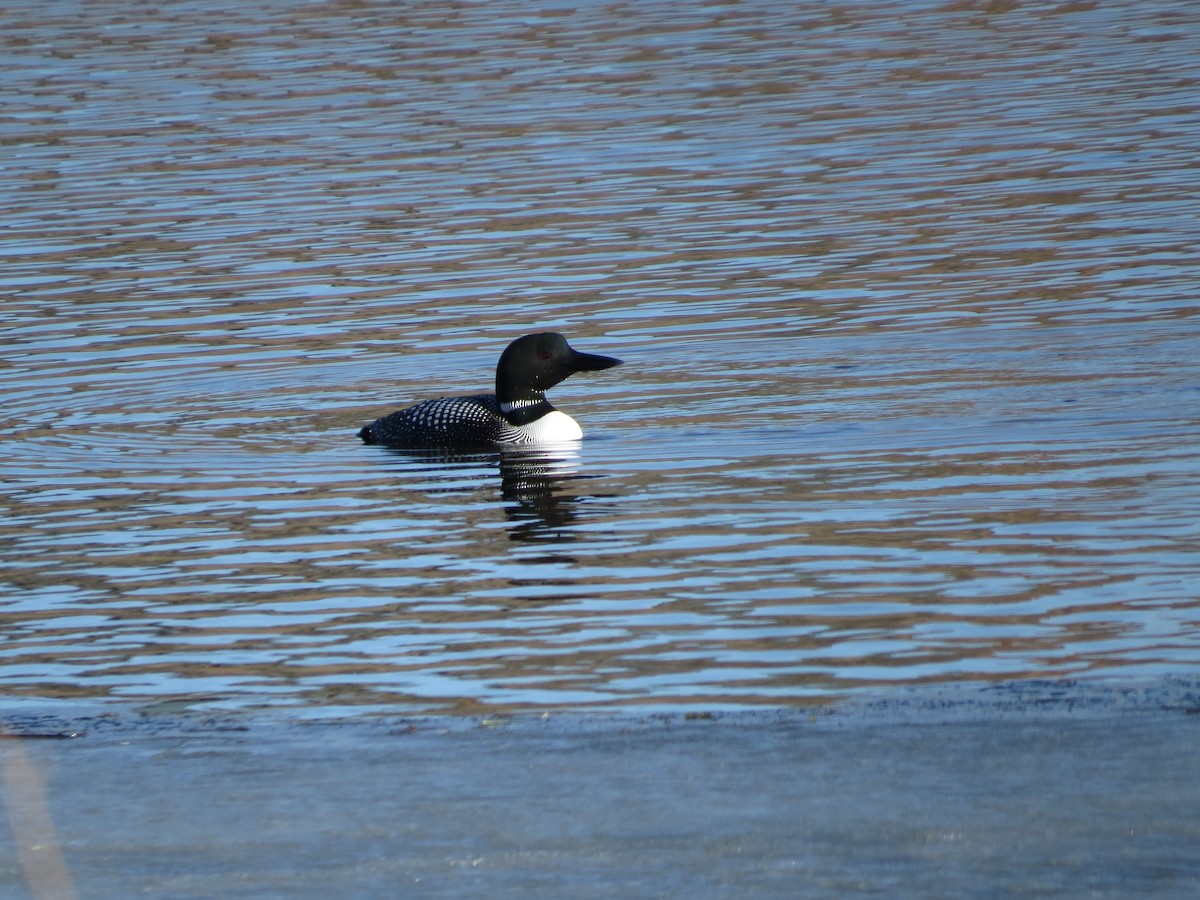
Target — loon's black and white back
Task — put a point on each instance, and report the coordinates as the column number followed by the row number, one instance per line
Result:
column 518, row 413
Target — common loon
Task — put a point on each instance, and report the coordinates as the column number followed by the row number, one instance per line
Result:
column 518, row 413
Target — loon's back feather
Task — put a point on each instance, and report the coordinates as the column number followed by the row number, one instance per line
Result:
column 446, row 420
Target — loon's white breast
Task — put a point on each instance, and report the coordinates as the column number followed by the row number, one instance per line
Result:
column 553, row 428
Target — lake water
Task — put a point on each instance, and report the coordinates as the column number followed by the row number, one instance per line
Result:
column 907, row 295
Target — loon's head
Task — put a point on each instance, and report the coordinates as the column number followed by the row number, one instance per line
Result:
column 532, row 364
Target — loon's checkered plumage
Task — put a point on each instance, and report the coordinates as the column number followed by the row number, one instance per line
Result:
column 518, row 413
column 457, row 420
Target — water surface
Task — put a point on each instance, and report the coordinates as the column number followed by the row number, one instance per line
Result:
column 906, row 297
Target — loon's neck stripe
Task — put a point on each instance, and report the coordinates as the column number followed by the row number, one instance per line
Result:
column 509, row 405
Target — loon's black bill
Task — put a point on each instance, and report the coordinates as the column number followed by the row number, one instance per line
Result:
column 591, row 362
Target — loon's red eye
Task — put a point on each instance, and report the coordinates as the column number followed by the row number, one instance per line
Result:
column 544, row 354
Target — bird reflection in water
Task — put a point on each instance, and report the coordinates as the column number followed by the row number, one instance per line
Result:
column 539, row 485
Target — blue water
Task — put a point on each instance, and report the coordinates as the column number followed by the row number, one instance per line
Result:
column 906, row 297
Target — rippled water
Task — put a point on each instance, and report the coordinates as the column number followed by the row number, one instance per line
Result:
column 906, row 294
